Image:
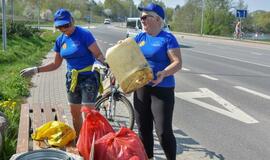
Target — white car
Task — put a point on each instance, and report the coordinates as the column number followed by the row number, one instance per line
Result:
column 134, row 26
column 107, row 21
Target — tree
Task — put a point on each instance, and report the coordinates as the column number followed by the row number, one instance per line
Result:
column 77, row 14
column 261, row 21
column 187, row 18
column 46, row 15
column 169, row 14
column 218, row 18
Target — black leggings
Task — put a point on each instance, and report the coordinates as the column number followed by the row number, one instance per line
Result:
column 155, row 104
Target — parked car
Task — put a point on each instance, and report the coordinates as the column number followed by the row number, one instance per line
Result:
column 134, row 26
column 107, row 21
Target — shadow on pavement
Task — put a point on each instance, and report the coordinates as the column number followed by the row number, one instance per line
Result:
column 187, row 149
column 185, row 46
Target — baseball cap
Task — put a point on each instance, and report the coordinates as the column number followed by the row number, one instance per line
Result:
column 153, row 8
column 62, row 17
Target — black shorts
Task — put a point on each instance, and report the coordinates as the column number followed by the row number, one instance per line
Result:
column 86, row 90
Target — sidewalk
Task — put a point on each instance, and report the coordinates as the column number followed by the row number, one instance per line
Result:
column 49, row 88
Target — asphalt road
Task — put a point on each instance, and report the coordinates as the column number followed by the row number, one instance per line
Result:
column 222, row 108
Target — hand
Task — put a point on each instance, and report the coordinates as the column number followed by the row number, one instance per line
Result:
column 160, row 77
column 28, row 72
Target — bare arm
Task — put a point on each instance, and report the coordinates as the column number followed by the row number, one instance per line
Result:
column 176, row 62
column 53, row 65
column 175, row 65
column 96, row 52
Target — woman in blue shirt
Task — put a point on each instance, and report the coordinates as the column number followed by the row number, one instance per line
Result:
column 79, row 48
column 155, row 101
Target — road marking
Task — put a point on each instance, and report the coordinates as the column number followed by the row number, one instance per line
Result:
column 209, row 77
column 231, row 58
column 105, row 42
column 256, row 53
column 185, row 69
column 87, row 27
column 230, row 110
column 253, row 92
column 111, row 44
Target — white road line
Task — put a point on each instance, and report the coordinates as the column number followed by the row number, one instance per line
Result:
column 209, row 77
column 227, row 108
column 253, row 92
column 231, row 58
column 256, row 53
column 185, row 69
column 105, row 42
column 111, row 44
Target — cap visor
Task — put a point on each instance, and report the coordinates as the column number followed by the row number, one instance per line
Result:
column 143, row 9
column 60, row 23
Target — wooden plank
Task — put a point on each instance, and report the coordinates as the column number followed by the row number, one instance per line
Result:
column 48, row 113
column 23, row 134
column 41, row 114
column 37, row 121
column 61, row 115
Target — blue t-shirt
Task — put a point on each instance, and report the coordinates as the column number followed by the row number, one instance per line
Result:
column 155, row 50
column 74, row 49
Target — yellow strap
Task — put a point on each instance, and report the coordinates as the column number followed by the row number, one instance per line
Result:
column 74, row 78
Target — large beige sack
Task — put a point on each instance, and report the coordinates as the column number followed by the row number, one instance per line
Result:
column 128, row 65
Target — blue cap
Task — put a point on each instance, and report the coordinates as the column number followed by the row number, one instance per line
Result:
column 62, row 17
column 153, row 8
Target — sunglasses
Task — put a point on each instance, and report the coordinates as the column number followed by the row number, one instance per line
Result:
column 63, row 26
column 145, row 17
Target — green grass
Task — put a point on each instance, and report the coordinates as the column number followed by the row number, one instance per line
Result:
column 21, row 53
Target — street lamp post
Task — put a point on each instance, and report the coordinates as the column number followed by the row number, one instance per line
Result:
column 38, row 13
column 12, row 11
column 202, row 17
column 4, row 33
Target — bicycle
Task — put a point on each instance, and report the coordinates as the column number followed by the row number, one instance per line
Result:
column 239, row 36
column 114, row 105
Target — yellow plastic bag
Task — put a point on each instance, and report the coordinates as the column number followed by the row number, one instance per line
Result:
column 56, row 133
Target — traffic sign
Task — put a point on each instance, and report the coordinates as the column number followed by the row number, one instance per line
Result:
column 241, row 13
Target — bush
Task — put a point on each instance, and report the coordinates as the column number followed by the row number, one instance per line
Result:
column 20, row 29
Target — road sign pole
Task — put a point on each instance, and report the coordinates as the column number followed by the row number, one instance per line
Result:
column 202, row 17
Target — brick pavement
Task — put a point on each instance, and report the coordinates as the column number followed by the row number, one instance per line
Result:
column 48, row 88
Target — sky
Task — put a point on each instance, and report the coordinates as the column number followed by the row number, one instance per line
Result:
column 253, row 5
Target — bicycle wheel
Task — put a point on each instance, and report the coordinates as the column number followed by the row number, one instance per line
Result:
column 123, row 113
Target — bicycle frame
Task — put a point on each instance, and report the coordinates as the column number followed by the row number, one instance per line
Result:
column 112, row 94
column 112, row 101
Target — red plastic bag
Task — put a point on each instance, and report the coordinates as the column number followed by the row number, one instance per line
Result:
column 93, row 125
column 123, row 145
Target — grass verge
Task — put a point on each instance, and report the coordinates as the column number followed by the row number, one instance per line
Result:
column 21, row 52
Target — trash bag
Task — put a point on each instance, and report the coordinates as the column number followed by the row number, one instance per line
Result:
column 94, row 125
column 123, row 145
column 54, row 133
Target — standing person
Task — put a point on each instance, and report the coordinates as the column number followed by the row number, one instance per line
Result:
column 154, row 103
column 79, row 48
